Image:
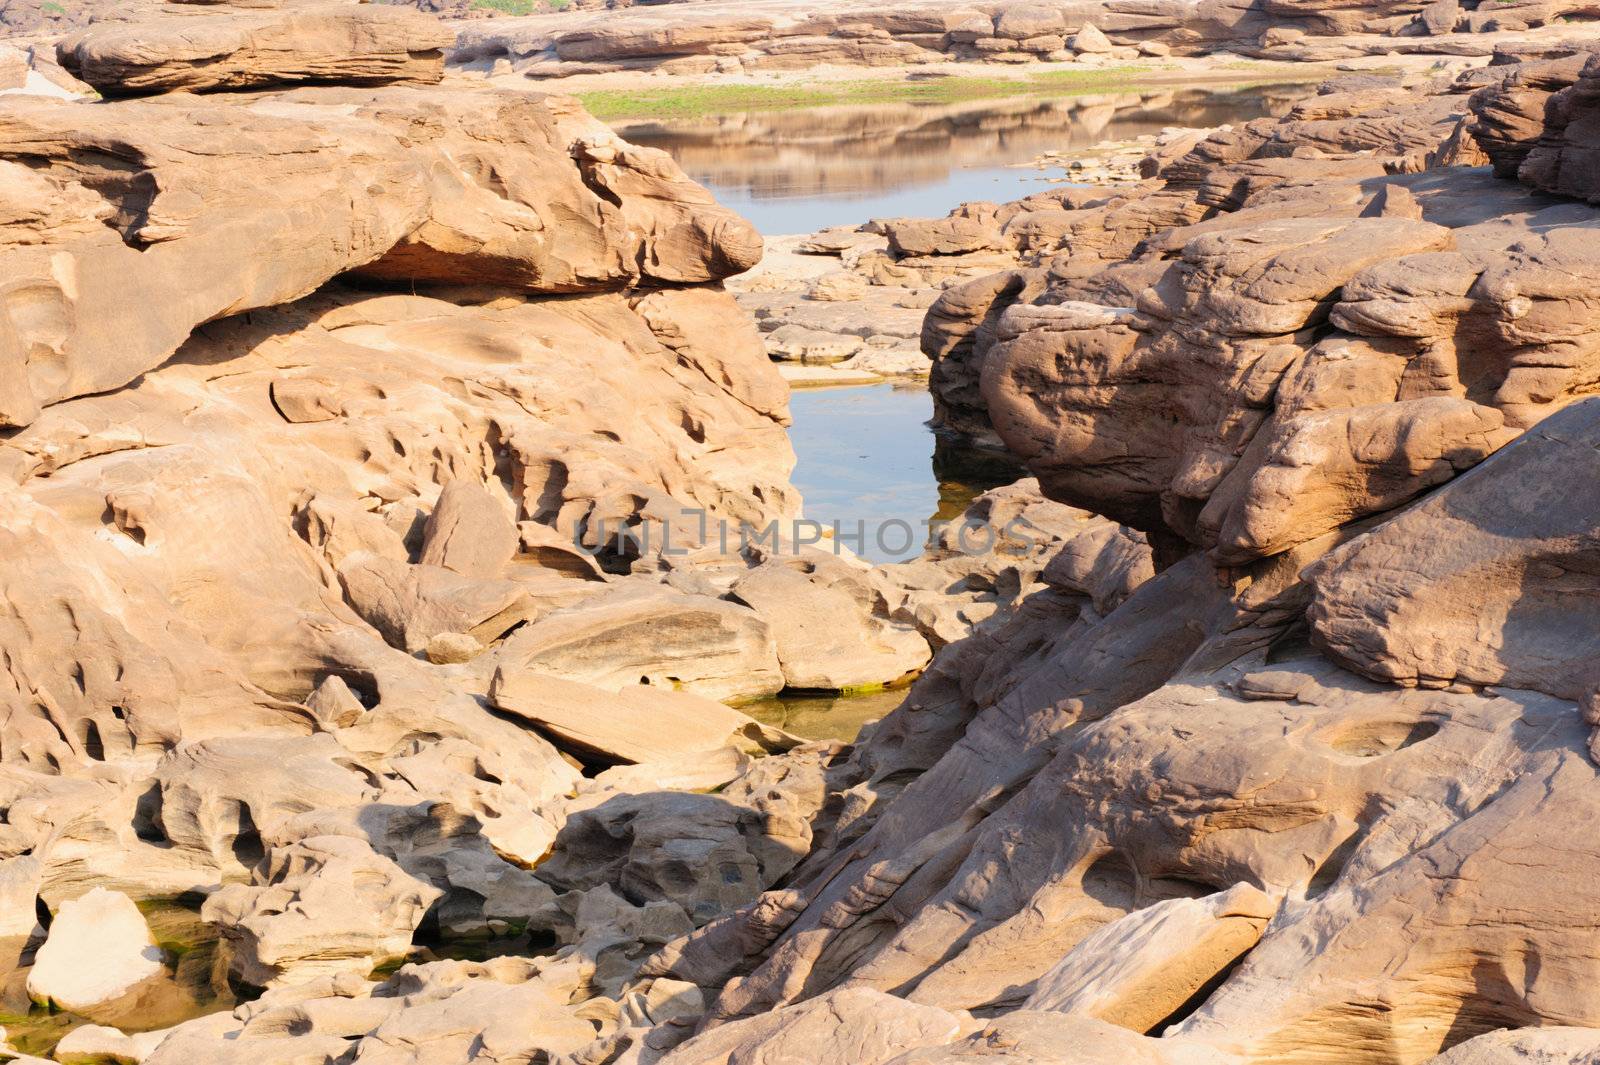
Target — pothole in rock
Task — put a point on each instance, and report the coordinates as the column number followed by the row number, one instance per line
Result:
column 825, row 715
column 1373, row 739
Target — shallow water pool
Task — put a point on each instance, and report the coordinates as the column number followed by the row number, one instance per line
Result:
column 867, row 461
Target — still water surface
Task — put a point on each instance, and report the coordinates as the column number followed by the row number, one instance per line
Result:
column 799, row 171
column 868, row 462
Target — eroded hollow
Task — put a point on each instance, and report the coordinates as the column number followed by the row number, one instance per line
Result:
column 1373, row 739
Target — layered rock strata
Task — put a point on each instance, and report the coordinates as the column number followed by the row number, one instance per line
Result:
column 344, row 43
column 779, row 35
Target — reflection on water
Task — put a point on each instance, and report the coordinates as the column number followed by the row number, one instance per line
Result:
column 825, row 717
column 798, row 171
column 867, row 460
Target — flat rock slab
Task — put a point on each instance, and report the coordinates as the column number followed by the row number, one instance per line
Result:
column 653, row 636
column 1139, row 970
column 363, row 44
column 639, row 724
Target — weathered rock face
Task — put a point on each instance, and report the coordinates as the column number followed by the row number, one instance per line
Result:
column 108, row 279
column 824, row 625
column 1140, row 970
column 862, row 1025
column 323, row 906
column 1509, row 114
column 259, row 567
column 1562, row 160
column 711, row 36
column 1408, row 602
column 1179, row 813
column 1286, row 356
column 348, row 44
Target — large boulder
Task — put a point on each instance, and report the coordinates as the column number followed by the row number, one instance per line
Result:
column 655, row 636
column 1139, row 971
column 830, row 626
column 99, row 950
column 1508, row 115
column 1562, row 160
column 1485, row 581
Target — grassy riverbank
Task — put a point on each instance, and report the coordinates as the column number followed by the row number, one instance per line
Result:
column 688, row 100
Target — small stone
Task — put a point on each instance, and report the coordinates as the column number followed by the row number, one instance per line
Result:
column 1090, row 39
column 334, row 703
column 673, row 1000
column 450, row 648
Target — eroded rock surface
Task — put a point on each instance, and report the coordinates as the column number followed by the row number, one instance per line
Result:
column 1199, row 356
column 109, row 278
column 370, row 586
column 1271, row 311
column 716, row 36
column 346, row 43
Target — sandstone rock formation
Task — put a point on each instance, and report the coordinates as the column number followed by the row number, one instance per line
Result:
column 372, row 586
column 1126, row 762
column 325, row 905
column 410, row 214
column 225, row 541
column 350, row 44
column 1272, row 301
column 717, row 36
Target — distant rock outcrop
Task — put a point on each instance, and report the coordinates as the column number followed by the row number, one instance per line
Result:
column 718, row 36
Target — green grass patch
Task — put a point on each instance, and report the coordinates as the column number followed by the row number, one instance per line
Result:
column 50, row 7
column 508, row 7
column 687, row 101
